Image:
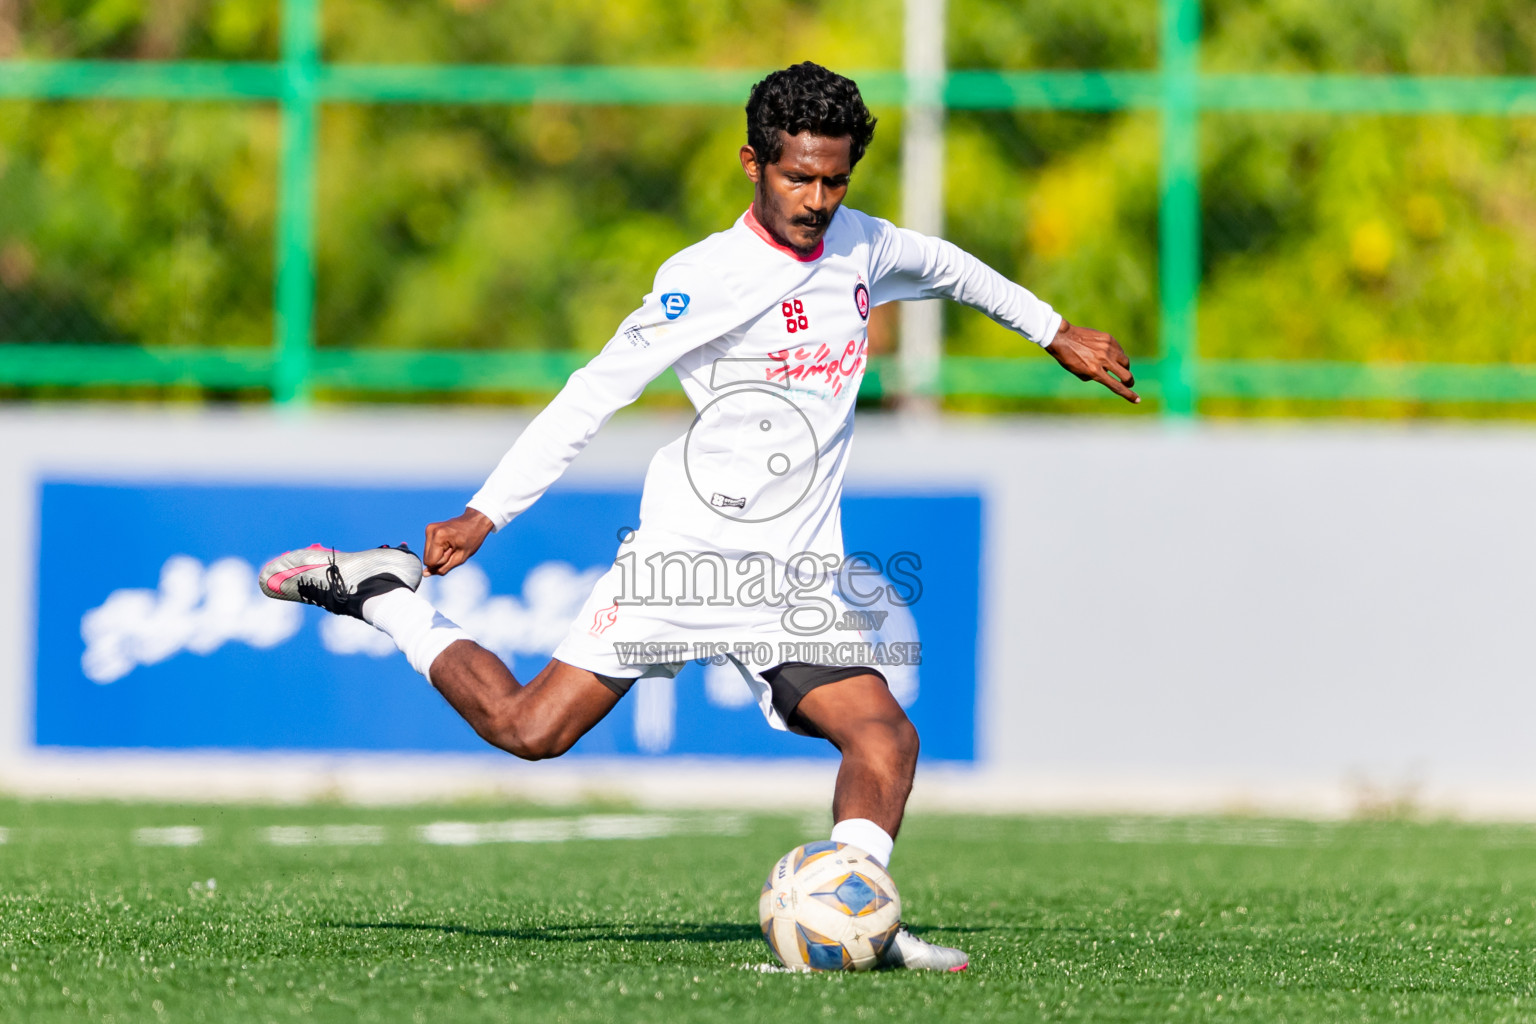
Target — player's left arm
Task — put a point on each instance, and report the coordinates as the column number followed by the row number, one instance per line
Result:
column 1096, row 356
column 908, row 265
column 687, row 307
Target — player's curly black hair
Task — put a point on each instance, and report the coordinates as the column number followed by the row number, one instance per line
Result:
column 806, row 98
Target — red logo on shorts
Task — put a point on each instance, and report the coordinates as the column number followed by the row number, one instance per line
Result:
column 605, row 618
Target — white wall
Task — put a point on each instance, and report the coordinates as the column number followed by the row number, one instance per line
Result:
column 1273, row 617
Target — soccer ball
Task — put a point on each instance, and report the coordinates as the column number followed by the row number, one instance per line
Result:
column 828, row 907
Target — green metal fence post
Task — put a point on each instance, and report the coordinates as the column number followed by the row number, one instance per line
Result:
column 294, row 321
column 1179, row 205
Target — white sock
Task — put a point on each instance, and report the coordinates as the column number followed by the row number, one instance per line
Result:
column 867, row 836
column 419, row 630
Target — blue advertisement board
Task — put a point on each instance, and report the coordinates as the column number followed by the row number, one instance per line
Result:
column 151, row 632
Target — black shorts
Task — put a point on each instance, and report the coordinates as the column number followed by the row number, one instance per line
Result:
column 789, row 683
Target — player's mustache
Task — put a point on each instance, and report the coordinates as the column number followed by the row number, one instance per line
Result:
column 813, row 221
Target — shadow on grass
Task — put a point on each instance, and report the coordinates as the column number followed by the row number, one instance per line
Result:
column 718, row 931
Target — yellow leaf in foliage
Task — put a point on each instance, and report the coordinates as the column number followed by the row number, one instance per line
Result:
column 1370, row 249
column 1075, row 202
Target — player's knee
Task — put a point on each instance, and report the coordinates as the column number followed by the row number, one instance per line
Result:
column 531, row 738
column 889, row 741
column 530, row 747
column 906, row 742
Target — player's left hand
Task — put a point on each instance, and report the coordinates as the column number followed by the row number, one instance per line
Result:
column 1094, row 355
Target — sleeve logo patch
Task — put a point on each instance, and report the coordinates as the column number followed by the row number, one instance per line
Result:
column 674, row 304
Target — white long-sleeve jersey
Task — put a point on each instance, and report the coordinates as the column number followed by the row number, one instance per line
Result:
column 770, row 347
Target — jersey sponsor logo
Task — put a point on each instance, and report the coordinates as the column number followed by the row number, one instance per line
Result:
column 636, row 337
column 794, row 316
column 725, row 501
column 793, row 367
column 861, row 300
column 674, row 304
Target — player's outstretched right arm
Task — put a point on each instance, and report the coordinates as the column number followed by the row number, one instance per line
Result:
column 451, row 542
column 908, row 265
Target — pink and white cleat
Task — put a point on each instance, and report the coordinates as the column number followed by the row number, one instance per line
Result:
column 339, row 581
column 908, row 951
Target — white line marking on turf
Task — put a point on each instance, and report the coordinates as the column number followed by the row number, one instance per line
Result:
column 5, row 835
column 545, row 830
column 560, row 830
column 719, row 825
column 176, row 835
column 324, row 835
column 470, row 833
column 1216, row 833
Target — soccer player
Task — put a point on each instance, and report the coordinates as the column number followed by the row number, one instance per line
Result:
column 765, row 325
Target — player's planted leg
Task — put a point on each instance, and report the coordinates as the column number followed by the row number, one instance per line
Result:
column 540, row 720
column 862, row 720
column 879, row 746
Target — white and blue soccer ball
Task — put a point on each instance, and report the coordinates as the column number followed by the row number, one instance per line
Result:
column 828, row 907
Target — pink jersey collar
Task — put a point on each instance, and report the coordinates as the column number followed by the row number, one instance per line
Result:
column 762, row 232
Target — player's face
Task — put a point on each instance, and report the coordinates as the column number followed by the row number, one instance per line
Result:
column 797, row 195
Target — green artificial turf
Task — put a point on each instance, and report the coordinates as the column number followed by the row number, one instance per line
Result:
column 1065, row 919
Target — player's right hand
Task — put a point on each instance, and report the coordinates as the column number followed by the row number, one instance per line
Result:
column 451, row 542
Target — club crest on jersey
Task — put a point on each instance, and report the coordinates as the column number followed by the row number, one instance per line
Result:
column 674, row 304
column 861, row 300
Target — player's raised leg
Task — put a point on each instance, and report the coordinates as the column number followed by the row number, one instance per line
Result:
column 535, row 721
column 879, row 746
column 540, row 720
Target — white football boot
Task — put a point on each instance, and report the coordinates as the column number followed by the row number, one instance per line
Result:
column 909, row 951
column 339, row 581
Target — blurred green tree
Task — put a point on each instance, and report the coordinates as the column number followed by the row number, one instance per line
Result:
column 538, row 227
